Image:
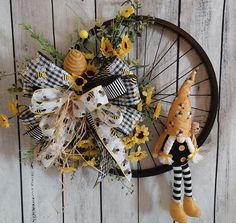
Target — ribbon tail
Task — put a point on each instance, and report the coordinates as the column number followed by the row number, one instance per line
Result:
column 31, row 124
column 56, row 146
column 114, row 146
column 106, row 158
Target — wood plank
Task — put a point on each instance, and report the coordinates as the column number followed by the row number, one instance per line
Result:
column 155, row 192
column 200, row 19
column 116, row 205
column 226, row 177
column 81, row 200
column 46, row 185
column 10, row 170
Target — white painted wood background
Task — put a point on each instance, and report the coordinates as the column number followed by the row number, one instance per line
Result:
column 212, row 24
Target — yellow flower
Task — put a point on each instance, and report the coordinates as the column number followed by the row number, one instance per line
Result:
column 106, row 47
column 128, row 141
column 78, row 82
column 91, row 70
column 12, row 106
column 89, row 56
column 157, row 111
column 4, row 122
column 127, row 12
column 91, row 162
column 118, row 53
column 67, row 169
column 137, row 156
column 83, row 34
column 125, row 45
column 149, row 95
column 140, row 106
column 85, row 143
column 141, row 134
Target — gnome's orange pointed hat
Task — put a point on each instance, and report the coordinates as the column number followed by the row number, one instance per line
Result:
column 179, row 118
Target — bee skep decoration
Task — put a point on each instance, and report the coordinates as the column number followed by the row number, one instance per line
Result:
column 176, row 146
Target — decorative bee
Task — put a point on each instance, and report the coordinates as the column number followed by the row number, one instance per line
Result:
column 90, row 95
column 41, row 75
column 39, row 111
column 66, row 77
column 113, row 132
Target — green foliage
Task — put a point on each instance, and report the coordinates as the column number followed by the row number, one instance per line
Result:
column 16, row 88
column 28, row 156
column 45, row 44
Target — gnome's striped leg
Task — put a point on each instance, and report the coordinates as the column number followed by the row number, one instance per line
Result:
column 187, row 180
column 177, row 183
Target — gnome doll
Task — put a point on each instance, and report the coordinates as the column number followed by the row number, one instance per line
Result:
column 176, row 146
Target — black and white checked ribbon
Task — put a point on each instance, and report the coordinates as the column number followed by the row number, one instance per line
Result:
column 31, row 124
column 119, row 68
column 55, row 76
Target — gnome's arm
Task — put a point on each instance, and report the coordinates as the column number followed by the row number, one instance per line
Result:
column 164, row 155
column 195, row 156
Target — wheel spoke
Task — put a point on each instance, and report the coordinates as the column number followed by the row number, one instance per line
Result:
column 197, row 83
column 153, row 67
column 158, row 47
column 171, row 64
column 145, row 52
column 199, row 109
column 178, row 79
column 159, row 99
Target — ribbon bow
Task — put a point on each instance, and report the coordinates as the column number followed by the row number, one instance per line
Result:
column 63, row 114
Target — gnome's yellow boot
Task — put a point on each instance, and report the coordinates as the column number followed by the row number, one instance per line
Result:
column 177, row 212
column 190, row 207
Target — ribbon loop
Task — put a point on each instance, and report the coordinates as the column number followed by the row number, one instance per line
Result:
column 48, row 100
column 109, row 101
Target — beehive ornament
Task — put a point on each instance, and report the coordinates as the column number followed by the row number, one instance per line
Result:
column 75, row 62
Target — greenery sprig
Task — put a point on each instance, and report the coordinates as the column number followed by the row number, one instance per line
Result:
column 45, row 44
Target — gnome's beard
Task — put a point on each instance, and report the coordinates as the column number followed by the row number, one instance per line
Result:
column 180, row 139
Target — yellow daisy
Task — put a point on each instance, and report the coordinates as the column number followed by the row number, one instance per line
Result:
column 12, row 107
column 91, row 70
column 127, row 11
column 67, row 169
column 128, row 141
column 137, row 156
column 149, row 91
column 89, row 56
column 141, row 134
column 157, row 110
column 140, row 106
column 106, row 47
column 125, row 45
column 85, row 143
column 78, row 82
column 4, row 122
column 91, row 162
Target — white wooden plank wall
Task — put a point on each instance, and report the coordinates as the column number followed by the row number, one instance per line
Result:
column 212, row 24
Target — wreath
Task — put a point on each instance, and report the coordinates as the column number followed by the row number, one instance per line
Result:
column 87, row 108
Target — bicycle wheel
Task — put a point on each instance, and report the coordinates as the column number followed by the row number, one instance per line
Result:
column 168, row 55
